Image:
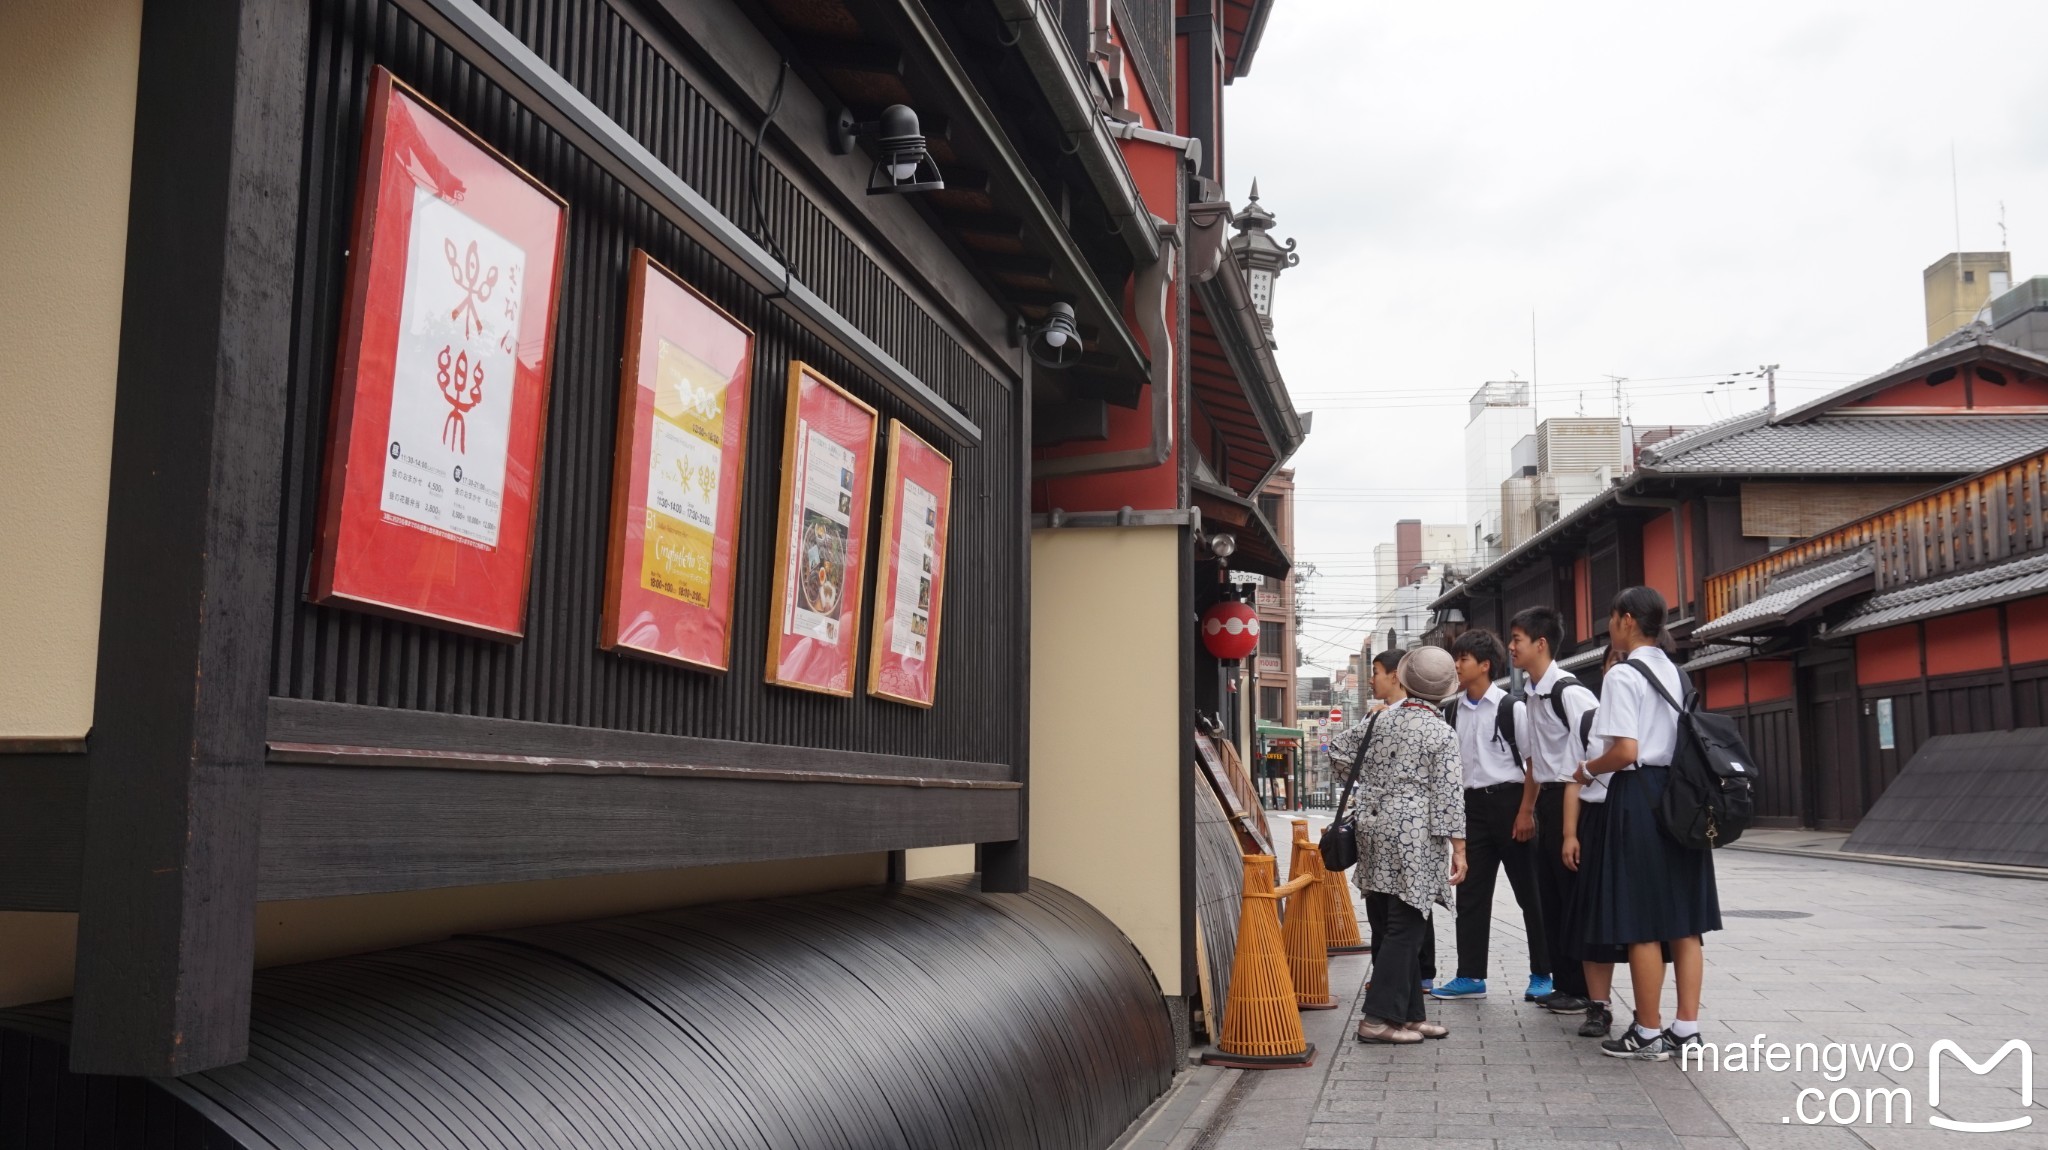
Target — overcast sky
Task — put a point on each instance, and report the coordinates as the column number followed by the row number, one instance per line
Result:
column 1676, row 193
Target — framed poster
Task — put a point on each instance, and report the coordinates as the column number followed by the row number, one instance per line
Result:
column 917, row 505
column 828, row 470
column 680, row 456
column 440, row 394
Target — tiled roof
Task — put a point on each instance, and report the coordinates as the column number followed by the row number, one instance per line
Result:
column 1715, row 656
column 1583, row 659
column 1786, row 594
column 2013, row 579
column 1855, row 444
column 1968, row 344
column 1700, row 436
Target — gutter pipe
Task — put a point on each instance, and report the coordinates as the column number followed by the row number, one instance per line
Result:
column 1045, row 52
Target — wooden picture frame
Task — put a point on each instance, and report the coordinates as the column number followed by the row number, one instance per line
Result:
column 430, row 494
column 678, row 472
column 821, row 535
column 910, row 580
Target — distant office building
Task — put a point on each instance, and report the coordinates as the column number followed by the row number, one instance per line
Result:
column 1567, row 463
column 1417, row 549
column 1500, row 413
column 1958, row 285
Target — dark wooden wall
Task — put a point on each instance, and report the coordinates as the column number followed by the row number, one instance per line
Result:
column 1772, row 732
column 557, row 674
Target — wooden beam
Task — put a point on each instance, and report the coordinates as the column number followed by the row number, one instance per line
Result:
column 1013, row 263
column 167, row 896
column 862, row 56
column 302, row 731
column 992, row 225
column 332, row 830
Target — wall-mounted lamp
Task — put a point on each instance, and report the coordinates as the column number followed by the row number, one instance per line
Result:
column 1222, row 546
column 1055, row 343
column 902, row 162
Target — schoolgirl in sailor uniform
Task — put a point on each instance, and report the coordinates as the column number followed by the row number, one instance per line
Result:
column 1646, row 889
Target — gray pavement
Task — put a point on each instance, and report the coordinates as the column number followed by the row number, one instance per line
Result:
column 1816, row 950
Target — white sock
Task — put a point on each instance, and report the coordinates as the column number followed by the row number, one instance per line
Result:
column 1685, row 1029
column 1644, row 1034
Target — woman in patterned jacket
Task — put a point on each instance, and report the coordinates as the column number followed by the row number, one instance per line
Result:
column 1410, row 806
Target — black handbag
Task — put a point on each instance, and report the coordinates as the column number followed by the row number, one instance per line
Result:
column 1339, row 844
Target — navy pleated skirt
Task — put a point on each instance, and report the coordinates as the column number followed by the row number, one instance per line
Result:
column 1643, row 887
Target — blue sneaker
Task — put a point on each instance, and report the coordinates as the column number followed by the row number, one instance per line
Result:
column 1539, row 987
column 1461, row 988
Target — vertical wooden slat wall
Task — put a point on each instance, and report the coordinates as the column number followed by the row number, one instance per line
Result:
column 557, row 674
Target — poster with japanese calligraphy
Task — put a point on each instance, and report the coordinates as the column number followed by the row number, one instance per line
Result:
column 917, row 503
column 828, row 467
column 440, row 394
column 681, row 453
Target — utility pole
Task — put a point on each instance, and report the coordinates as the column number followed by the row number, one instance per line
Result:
column 1770, row 371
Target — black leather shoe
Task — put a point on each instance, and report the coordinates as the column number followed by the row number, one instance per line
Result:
column 1562, row 1003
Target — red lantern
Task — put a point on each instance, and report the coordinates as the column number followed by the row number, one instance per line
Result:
column 1230, row 630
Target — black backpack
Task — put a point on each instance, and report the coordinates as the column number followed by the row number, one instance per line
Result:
column 1711, row 797
column 1503, row 720
column 1567, row 679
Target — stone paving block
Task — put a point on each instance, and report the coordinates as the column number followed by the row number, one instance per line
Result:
column 1873, row 963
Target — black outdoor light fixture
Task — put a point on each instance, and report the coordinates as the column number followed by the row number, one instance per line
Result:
column 1055, row 342
column 902, row 162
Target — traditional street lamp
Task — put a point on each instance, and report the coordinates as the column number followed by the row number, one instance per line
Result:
column 1261, row 256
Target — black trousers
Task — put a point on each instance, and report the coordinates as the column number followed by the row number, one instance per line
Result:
column 1557, row 884
column 1489, row 847
column 1399, row 932
column 1376, row 929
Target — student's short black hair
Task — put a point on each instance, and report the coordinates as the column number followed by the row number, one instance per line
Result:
column 1484, row 647
column 1540, row 623
column 1646, row 606
column 1389, row 661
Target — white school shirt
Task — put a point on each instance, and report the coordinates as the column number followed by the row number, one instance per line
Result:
column 1554, row 751
column 1595, row 791
column 1631, row 709
column 1483, row 755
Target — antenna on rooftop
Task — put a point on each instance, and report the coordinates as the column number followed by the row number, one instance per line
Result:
column 2004, row 243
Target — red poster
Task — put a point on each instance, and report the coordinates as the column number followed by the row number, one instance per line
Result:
column 427, row 503
column 828, row 470
column 676, row 474
column 917, row 503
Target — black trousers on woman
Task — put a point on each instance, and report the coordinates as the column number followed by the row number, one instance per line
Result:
column 1399, row 931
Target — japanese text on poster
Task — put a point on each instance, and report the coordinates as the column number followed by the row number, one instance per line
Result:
column 451, row 393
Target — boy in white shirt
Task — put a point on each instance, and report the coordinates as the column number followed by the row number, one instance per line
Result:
column 1558, row 704
column 1499, row 825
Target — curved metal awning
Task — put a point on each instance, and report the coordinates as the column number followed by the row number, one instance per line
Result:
column 922, row 1015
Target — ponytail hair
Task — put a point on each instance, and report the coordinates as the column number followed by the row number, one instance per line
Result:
column 1646, row 606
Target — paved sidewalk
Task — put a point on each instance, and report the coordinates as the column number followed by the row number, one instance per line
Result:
column 1816, row 950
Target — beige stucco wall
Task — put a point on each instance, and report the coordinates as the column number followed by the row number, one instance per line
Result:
column 37, row 950
column 67, row 87
column 1105, row 728
column 938, row 862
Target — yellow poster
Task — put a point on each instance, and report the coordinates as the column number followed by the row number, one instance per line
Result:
column 683, row 467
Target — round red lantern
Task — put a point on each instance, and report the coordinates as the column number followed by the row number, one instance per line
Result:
column 1230, row 630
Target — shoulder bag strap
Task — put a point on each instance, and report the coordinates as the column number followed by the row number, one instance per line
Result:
column 1656, row 685
column 1356, row 765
